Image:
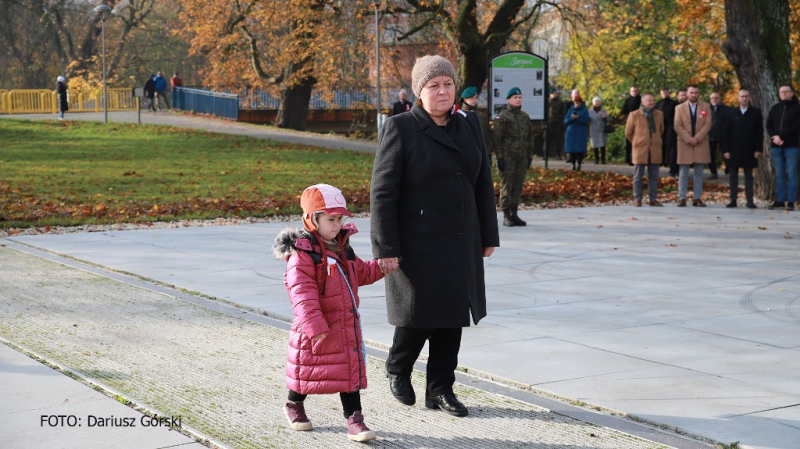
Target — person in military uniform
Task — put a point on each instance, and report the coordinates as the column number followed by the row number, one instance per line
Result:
column 469, row 102
column 556, row 130
column 513, row 146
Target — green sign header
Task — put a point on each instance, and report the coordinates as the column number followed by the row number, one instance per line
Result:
column 518, row 61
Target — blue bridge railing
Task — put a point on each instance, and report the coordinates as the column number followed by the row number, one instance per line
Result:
column 207, row 102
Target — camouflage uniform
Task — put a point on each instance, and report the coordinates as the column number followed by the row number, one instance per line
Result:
column 513, row 144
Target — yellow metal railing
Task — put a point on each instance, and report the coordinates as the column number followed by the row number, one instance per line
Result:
column 43, row 101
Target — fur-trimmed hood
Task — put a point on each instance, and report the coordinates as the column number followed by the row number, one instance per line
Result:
column 290, row 239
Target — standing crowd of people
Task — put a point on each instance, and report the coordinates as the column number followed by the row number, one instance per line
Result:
column 685, row 134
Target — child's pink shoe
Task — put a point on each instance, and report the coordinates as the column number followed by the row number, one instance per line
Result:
column 357, row 430
column 296, row 414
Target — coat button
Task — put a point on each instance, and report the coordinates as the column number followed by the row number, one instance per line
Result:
column 458, row 174
column 355, row 349
column 461, row 235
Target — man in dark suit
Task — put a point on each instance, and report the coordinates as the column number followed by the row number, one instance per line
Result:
column 403, row 105
column 631, row 105
column 742, row 132
column 715, row 136
column 667, row 106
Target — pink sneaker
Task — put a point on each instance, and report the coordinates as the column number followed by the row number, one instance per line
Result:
column 357, row 430
column 296, row 414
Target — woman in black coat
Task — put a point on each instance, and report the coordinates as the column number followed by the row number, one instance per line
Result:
column 742, row 144
column 433, row 219
column 61, row 96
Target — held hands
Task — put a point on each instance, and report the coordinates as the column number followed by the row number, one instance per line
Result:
column 693, row 141
column 728, row 155
column 319, row 336
column 388, row 265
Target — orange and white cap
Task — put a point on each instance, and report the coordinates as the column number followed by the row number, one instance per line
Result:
column 322, row 198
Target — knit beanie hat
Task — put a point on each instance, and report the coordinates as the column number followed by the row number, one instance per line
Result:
column 513, row 91
column 321, row 198
column 428, row 67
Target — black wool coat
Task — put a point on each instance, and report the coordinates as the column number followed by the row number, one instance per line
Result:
column 432, row 205
column 61, row 90
column 743, row 137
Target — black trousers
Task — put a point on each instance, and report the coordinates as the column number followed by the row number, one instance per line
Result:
column 628, row 152
column 713, row 147
column 351, row 402
column 733, row 183
column 443, row 347
column 598, row 152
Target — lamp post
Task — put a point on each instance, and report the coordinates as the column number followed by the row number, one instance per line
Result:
column 377, row 4
column 103, row 11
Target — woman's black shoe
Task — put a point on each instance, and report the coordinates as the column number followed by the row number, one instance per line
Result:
column 401, row 389
column 447, row 403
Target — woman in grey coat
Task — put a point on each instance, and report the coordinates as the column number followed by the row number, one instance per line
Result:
column 433, row 220
column 598, row 119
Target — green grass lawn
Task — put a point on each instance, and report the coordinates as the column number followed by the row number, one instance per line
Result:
column 66, row 173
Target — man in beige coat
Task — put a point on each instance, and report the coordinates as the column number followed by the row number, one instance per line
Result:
column 692, row 124
column 644, row 130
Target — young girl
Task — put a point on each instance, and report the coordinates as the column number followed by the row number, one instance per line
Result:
column 326, row 350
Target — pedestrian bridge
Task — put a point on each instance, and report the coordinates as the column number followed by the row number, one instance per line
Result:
column 42, row 101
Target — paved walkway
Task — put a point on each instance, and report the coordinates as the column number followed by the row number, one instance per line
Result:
column 219, row 371
column 685, row 317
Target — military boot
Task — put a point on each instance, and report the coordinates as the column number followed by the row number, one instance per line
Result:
column 517, row 221
column 508, row 219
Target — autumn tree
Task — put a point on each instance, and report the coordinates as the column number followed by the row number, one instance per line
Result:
column 671, row 44
column 41, row 39
column 474, row 30
column 290, row 47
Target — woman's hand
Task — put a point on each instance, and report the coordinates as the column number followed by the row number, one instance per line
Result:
column 388, row 265
column 488, row 251
column 319, row 336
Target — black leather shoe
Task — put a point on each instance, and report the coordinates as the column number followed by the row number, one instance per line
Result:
column 401, row 388
column 731, row 204
column 752, row 206
column 447, row 403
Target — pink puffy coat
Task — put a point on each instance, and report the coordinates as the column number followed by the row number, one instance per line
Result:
column 334, row 364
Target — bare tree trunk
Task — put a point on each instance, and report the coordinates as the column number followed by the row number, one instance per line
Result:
column 758, row 48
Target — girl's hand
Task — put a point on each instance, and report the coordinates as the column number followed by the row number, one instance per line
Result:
column 388, row 265
column 319, row 337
